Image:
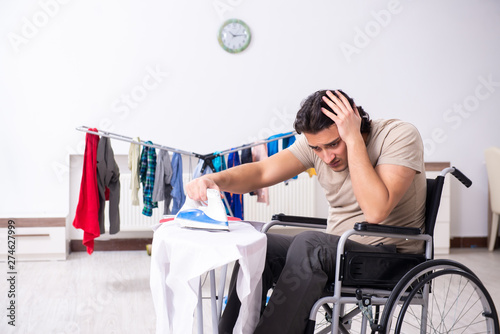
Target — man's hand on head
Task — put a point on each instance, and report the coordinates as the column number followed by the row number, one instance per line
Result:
column 345, row 117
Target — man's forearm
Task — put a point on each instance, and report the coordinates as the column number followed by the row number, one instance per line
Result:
column 255, row 175
column 369, row 189
column 248, row 177
column 378, row 190
column 240, row 179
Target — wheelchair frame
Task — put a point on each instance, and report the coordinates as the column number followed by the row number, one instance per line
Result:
column 401, row 295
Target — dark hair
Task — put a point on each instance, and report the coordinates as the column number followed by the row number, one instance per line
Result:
column 310, row 118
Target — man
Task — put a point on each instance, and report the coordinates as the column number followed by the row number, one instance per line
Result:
column 370, row 170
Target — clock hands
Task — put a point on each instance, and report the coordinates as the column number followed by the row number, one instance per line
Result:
column 236, row 35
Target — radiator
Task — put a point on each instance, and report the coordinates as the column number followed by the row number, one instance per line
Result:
column 297, row 197
column 131, row 217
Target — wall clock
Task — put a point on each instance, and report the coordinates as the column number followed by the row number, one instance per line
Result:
column 234, row 36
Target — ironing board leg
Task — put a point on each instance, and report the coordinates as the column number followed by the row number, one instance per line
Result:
column 213, row 296
column 199, row 312
column 222, row 285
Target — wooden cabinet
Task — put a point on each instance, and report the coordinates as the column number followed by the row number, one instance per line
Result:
column 35, row 238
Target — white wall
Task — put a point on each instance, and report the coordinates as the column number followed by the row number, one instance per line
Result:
column 69, row 63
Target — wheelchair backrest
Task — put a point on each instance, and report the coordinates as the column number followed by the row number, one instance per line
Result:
column 433, row 199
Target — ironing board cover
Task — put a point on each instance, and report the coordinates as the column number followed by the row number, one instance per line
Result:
column 180, row 256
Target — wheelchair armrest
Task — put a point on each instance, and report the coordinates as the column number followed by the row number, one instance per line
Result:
column 367, row 227
column 299, row 219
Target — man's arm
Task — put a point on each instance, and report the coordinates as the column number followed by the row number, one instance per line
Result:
column 247, row 177
column 378, row 190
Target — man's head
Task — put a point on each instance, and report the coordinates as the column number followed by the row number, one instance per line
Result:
column 310, row 118
column 321, row 132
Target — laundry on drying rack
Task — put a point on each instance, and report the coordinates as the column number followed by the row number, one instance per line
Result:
column 134, row 161
column 235, row 201
column 246, row 155
column 147, row 173
column 87, row 210
column 178, row 196
column 273, row 144
column 163, row 176
column 199, row 167
column 311, row 171
column 288, row 141
column 143, row 168
column 108, row 183
column 219, row 162
column 259, row 153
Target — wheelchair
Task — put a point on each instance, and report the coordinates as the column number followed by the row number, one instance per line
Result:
column 400, row 293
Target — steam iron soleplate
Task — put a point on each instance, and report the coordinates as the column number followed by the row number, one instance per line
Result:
column 198, row 219
column 195, row 215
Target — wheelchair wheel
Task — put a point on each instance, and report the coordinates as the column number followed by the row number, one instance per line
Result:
column 440, row 296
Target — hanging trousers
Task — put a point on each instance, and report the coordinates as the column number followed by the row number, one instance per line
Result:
column 299, row 267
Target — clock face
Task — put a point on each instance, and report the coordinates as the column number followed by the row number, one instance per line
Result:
column 234, row 36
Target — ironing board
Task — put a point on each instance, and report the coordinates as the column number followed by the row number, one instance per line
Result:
column 180, row 256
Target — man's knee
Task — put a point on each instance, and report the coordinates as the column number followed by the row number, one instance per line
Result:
column 277, row 244
column 308, row 240
column 308, row 236
column 314, row 250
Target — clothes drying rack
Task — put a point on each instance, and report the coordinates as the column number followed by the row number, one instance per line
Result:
column 207, row 158
column 204, row 157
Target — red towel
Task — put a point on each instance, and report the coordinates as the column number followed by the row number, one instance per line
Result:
column 86, row 217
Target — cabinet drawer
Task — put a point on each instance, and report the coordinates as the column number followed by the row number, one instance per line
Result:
column 37, row 243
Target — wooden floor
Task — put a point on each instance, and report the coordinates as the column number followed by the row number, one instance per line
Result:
column 108, row 292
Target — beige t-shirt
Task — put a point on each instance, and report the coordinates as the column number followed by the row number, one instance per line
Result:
column 389, row 142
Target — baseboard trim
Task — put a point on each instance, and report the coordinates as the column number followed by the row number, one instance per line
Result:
column 112, row 245
column 468, row 242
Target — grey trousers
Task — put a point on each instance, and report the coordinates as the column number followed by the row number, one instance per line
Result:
column 299, row 268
